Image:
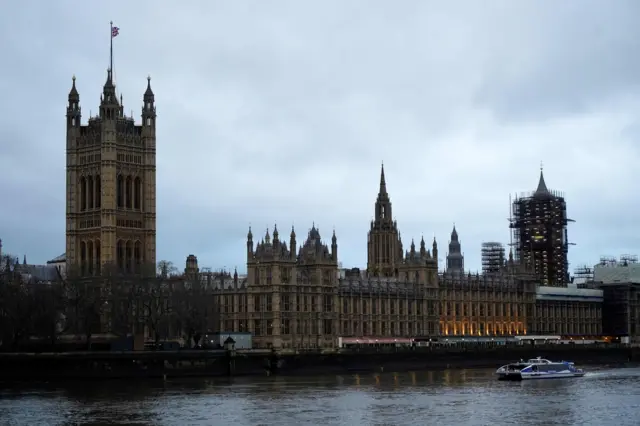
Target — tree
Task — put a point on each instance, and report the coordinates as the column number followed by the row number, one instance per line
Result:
column 154, row 305
column 47, row 306
column 15, row 309
column 166, row 269
column 191, row 300
column 86, row 301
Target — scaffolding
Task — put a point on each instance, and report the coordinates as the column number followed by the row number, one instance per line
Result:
column 492, row 257
column 628, row 259
column 539, row 235
column 583, row 274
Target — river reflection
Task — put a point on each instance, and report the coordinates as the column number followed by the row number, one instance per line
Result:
column 465, row 397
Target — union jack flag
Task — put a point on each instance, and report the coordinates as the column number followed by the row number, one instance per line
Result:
column 114, row 31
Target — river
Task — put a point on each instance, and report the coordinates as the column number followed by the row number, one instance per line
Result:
column 465, row 397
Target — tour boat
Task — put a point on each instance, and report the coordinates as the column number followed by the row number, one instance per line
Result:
column 538, row 368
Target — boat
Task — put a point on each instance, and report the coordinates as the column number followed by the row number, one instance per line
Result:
column 538, row 368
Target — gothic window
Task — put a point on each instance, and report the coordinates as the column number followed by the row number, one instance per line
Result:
column 98, row 192
column 129, row 255
column 137, row 188
column 137, row 254
column 90, row 257
column 90, row 192
column 83, row 257
column 382, row 212
column 83, row 194
column 120, row 254
column 129, row 191
column 120, row 191
column 97, row 260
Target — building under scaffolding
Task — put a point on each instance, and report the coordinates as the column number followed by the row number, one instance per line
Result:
column 539, row 229
column 492, row 258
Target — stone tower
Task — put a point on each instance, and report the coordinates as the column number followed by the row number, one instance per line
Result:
column 111, row 185
column 384, row 247
column 455, row 258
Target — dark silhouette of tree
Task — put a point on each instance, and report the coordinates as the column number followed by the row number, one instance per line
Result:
column 166, row 269
column 154, row 305
column 86, row 302
column 192, row 299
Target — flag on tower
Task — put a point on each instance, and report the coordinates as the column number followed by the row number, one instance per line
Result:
column 115, row 31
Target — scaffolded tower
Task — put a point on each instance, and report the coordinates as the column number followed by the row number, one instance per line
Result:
column 539, row 224
column 492, row 257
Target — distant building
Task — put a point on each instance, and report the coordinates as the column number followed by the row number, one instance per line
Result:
column 620, row 283
column 539, row 223
column 455, row 258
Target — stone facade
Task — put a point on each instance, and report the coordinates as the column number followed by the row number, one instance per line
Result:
column 111, row 184
column 298, row 297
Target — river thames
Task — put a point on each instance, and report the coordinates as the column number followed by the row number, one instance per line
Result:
column 465, row 397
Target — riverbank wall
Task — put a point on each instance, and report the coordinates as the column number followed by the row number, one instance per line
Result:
column 221, row 363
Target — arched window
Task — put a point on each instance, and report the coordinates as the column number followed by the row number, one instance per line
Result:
column 83, row 258
column 97, row 248
column 129, row 188
column 137, row 255
column 137, row 187
column 120, row 191
column 90, row 192
column 98, row 192
column 83, row 194
column 90, row 257
column 129, row 256
column 120, row 254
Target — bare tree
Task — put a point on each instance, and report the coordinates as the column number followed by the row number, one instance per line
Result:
column 154, row 305
column 191, row 299
column 85, row 304
column 47, row 306
column 15, row 309
column 166, row 269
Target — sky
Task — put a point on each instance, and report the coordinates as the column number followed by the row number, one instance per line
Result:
column 282, row 112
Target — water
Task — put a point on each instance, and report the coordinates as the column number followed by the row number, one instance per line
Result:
column 466, row 397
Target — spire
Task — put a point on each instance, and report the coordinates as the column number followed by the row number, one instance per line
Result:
column 73, row 93
column 542, row 190
column 293, row 232
column 24, row 260
column 454, row 233
column 383, row 183
column 148, row 94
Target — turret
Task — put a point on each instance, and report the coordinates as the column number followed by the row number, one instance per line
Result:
column 434, row 251
column 149, row 108
column 249, row 245
column 292, row 243
column 110, row 109
column 73, row 107
column 334, row 247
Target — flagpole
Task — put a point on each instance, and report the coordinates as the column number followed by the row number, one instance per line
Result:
column 111, row 49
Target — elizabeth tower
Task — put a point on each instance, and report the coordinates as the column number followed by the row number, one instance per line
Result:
column 111, row 185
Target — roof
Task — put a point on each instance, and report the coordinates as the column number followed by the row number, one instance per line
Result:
column 617, row 274
column 568, row 293
column 58, row 259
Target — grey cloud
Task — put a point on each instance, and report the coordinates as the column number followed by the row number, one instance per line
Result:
column 281, row 112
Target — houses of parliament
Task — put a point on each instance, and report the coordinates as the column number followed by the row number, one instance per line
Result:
column 295, row 294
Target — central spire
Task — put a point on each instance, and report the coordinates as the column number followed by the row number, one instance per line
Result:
column 383, row 183
column 542, row 190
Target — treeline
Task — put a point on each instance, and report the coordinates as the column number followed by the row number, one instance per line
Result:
column 58, row 313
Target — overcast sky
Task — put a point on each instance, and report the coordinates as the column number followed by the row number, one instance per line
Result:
column 282, row 112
